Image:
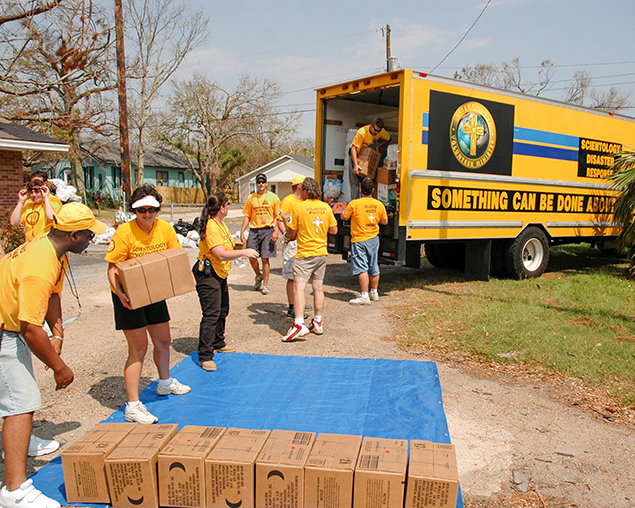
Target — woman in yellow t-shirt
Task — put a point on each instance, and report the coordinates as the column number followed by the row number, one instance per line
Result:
column 144, row 235
column 216, row 252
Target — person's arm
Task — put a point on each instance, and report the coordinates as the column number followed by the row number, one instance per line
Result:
column 48, row 208
column 333, row 230
column 292, row 234
column 383, row 222
column 243, row 229
column 41, row 347
column 17, row 211
column 384, row 141
column 224, row 254
column 116, row 284
column 54, row 320
column 356, row 168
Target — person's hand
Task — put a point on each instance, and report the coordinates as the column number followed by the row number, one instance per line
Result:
column 357, row 169
column 242, row 238
column 57, row 345
column 274, row 236
column 251, row 253
column 22, row 195
column 63, row 377
column 125, row 301
column 45, row 191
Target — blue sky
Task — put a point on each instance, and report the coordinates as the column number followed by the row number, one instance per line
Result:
column 305, row 45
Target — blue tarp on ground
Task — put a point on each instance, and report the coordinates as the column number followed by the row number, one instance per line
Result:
column 398, row 399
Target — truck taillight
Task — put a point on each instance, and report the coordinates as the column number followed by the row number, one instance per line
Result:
column 398, row 190
column 423, row 75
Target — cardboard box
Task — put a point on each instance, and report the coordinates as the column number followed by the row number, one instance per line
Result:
column 368, row 160
column 230, row 478
column 155, row 277
column 380, row 473
column 84, row 463
column 386, row 175
column 132, row 466
column 280, row 469
column 181, row 466
column 433, row 478
column 328, row 474
column 386, row 193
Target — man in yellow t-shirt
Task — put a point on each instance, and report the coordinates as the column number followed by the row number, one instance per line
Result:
column 366, row 214
column 35, row 207
column 30, row 281
column 261, row 215
column 290, row 249
column 369, row 135
column 310, row 224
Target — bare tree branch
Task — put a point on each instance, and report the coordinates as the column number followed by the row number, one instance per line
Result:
column 22, row 14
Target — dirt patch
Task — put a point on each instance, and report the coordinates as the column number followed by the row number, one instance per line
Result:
column 522, row 440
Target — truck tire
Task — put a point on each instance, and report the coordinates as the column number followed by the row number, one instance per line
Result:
column 445, row 255
column 528, row 254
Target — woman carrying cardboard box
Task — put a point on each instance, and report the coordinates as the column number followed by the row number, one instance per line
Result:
column 143, row 235
column 216, row 252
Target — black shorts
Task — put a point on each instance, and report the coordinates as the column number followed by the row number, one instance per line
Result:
column 260, row 240
column 126, row 319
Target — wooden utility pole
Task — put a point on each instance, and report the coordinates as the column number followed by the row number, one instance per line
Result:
column 388, row 48
column 123, row 104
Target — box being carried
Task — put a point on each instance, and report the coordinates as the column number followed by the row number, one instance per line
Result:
column 155, row 277
column 181, row 466
column 433, row 479
column 368, row 160
column 84, row 463
column 380, row 473
column 328, row 474
column 230, row 468
column 132, row 465
column 280, row 469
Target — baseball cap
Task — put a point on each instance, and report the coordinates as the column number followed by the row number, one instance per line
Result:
column 297, row 180
column 77, row 217
column 261, row 176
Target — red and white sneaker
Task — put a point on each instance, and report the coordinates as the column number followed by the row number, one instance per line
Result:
column 316, row 327
column 295, row 332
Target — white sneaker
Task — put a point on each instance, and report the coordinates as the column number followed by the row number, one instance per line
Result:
column 258, row 283
column 174, row 388
column 373, row 296
column 360, row 301
column 39, row 446
column 26, row 496
column 264, row 290
column 139, row 414
column 295, row 332
column 315, row 327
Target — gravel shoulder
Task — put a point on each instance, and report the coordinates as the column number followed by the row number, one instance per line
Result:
column 520, row 441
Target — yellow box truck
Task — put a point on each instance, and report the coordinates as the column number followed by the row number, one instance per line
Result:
column 485, row 178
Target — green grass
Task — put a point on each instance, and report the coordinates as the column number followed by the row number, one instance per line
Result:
column 578, row 320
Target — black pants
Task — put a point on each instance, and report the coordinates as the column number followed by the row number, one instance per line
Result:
column 213, row 294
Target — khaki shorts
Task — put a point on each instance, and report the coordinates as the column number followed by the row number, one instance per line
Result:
column 289, row 251
column 310, row 268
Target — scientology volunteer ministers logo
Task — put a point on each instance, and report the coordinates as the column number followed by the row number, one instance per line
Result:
column 472, row 135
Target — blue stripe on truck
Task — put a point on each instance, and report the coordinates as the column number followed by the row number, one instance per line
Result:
column 552, row 138
column 548, row 152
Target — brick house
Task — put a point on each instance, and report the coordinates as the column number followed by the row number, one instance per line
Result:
column 15, row 139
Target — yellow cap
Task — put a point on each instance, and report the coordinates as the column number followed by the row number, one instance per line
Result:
column 297, row 180
column 77, row 217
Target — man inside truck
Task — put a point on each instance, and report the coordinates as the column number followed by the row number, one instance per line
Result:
column 372, row 135
column 366, row 215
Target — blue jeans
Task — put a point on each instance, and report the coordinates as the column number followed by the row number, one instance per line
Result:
column 364, row 257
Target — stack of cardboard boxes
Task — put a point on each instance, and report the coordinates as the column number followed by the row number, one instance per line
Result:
column 130, row 465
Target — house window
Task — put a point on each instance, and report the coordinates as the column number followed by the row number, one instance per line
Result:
column 163, row 178
column 252, row 188
column 89, row 177
column 100, row 181
column 181, row 177
column 116, row 176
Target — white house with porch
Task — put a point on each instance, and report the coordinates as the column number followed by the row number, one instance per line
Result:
column 279, row 173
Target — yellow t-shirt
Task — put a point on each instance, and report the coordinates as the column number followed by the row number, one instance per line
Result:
column 287, row 207
column 312, row 220
column 262, row 210
column 216, row 234
column 365, row 138
column 28, row 277
column 366, row 213
column 33, row 217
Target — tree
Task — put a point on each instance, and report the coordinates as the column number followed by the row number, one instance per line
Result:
column 205, row 122
column 624, row 180
column 161, row 33
column 510, row 76
column 15, row 10
column 59, row 73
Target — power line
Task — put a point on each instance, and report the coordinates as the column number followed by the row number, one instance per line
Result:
column 462, row 38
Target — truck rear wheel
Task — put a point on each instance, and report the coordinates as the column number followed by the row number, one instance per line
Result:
column 528, row 254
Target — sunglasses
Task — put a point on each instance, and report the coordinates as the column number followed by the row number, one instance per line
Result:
column 261, row 181
column 149, row 209
column 34, row 188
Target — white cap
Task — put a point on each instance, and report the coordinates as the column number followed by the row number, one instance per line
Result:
column 147, row 201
